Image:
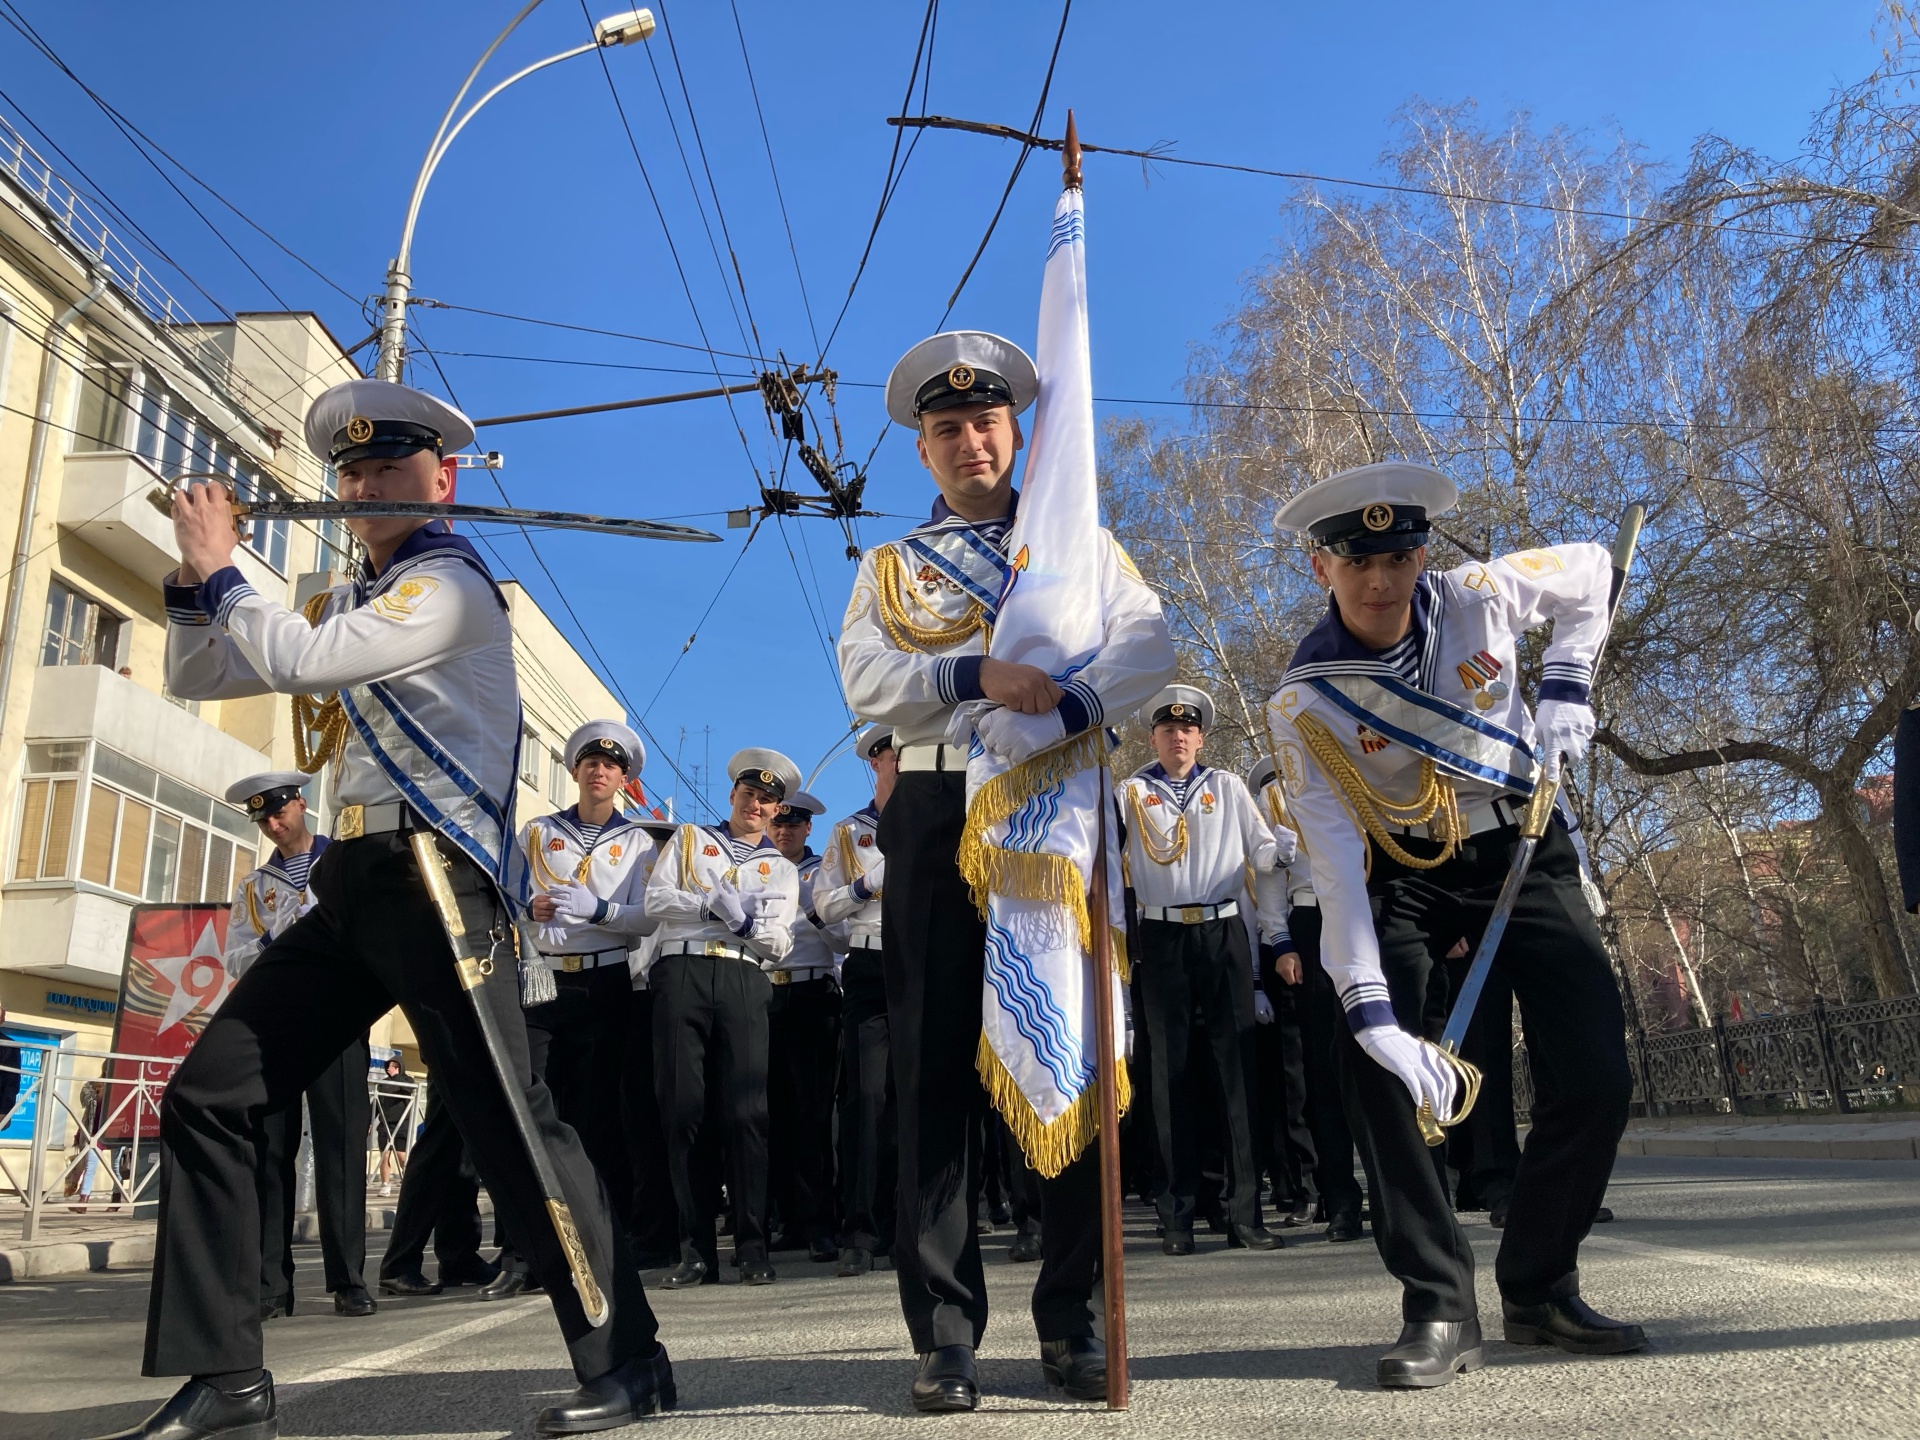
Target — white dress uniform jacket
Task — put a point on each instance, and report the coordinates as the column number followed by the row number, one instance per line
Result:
column 842, row 891
column 684, row 876
column 911, row 646
column 1278, row 890
column 432, row 629
column 817, row 944
column 265, row 902
column 615, row 868
column 1465, row 624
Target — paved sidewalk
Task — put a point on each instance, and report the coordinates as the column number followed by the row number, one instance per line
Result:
column 72, row 1244
column 1782, row 1140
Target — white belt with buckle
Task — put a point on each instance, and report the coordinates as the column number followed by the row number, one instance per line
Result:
column 1303, row 896
column 931, row 757
column 1475, row 818
column 1190, row 914
column 720, row 948
column 593, row 960
column 798, row 977
column 353, row 821
column 863, row 942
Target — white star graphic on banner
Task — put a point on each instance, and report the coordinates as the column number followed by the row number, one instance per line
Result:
column 182, row 971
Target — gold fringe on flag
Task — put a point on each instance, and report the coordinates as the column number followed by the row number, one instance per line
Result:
column 1049, row 1148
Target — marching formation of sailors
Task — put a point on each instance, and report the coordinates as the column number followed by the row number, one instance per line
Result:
column 628, row 1019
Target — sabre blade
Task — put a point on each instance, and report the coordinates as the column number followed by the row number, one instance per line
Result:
column 430, row 510
column 1455, row 1035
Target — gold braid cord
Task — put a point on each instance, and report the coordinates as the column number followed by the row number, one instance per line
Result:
column 1159, row 847
column 1433, row 804
column 314, row 716
column 897, row 601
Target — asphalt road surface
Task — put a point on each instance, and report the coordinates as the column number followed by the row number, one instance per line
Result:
column 1783, row 1298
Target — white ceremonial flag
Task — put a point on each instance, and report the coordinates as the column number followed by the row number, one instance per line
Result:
column 1033, row 828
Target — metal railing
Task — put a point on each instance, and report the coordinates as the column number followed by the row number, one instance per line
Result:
column 1843, row 1059
column 94, row 1148
column 84, row 227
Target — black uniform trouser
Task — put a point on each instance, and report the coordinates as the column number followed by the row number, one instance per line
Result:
column 338, row 1117
column 1025, row 1194
column 439, row 1199
column 710, row 1021
column 1485, row 1148
column 1200, row 978
column 803, row 1041
column 1570, row 1008
column 1283, row 1141
column 1322, row 1022
column 867, row 1113
column 573, row 1045
column 374, row 940
column 655, row 1224
column 936, row 976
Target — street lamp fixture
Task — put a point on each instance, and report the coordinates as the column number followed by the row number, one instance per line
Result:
column 626, row 28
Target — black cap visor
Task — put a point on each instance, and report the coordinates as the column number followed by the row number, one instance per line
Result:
column 1376, row 530
column 982, row 387
column 389, row 440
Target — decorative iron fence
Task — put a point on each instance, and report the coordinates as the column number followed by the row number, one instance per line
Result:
column 1843, row 1059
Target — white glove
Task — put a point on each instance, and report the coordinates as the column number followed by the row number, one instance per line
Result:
column 1565, row 729
column 1286, row 846
column 1262, row 1007
column 765, row 932
column 875, row 877
column 552, row 938
column 573, row 902
column 1015, row 737
column 1414, row 1063
column 762, row 905
column 725, row 903
column 305, row 905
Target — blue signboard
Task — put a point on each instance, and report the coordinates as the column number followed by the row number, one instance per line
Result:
column 19, row 1124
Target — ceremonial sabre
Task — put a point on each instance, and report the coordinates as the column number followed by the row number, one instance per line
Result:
column 1533, row 826
column 473, row 958
column 162, row 498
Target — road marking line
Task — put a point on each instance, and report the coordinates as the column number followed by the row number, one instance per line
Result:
column 399, row 1355
column 1774, row 1270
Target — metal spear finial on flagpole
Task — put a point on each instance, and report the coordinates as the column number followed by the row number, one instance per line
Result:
column 1070, row 155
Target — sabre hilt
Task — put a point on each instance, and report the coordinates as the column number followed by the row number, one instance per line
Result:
column 1433, row 1129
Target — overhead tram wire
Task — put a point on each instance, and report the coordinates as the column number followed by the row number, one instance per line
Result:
column 766, row 140
column 813, row 619
column 590, row 330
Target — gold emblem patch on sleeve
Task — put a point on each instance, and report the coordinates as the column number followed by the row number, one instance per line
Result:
column 402, row 600
column 1537, row 562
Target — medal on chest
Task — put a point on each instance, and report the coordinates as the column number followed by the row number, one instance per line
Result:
column 1481, row 677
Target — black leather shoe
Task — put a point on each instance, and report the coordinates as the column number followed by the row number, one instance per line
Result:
column 689, row 1273
column 470, row 1270
column 1078, row 1366
column 197, row 1411
column 508, row 1283
column 1603, row 1216
column 353, row 1301
column 1430, row 1353
column 1497, row 1216
column 1177, row 1242
column 1025, row 1248
column 756, row 1272
column 1572, row 1325
column 1252, row 1237
column 408, row 1282
column 1344, row 1226
column 1301, row 1214
column 278, row 1305
column 823, row 1251
column 641, row 1387
column 854, row 1260
column 945, row 1380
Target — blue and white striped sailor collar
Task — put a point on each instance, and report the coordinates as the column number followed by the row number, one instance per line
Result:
column 1330, row 648
column 277, row 862
column 568, row 822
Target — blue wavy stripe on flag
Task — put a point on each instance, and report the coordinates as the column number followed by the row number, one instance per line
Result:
column 1025, row 998
column 1029, row 826
column 1069, row 229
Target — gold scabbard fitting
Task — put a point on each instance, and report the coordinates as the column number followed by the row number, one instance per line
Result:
column 592, row 1300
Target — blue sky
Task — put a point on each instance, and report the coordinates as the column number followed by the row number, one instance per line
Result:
column 313, row 120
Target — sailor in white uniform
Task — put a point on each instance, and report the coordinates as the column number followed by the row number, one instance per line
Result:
column 913, row 646
column 1293, row 959
column 420, row 727
column 726, row 900
column 803, row 1036
column 1407, row 751
column 846, row 891
column 265, row 902
column 585, row 870
column 1194, row 837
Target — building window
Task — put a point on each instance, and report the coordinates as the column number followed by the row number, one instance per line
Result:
column 141, row 833
column 80, row 631
column 557, row 778
column 100, row 419
column 336, row 542
column 530, row 753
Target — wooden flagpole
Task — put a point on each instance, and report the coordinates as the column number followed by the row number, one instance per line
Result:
column 1112, row 1238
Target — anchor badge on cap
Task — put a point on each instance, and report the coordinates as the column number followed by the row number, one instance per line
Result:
column 359, row 429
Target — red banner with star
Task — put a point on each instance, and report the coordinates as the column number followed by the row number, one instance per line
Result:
column 174, row 979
